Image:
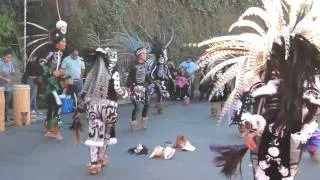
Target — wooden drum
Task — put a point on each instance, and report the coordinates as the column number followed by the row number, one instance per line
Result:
column 21, row 104
column 2, row 110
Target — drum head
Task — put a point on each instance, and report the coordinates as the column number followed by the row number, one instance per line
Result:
column 20, row 86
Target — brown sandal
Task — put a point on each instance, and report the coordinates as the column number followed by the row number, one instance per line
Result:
column 94, row 169
column 103, row 161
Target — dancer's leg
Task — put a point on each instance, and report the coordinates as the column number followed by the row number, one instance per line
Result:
column 145, row 111
column 95, row 139
column 133, row 122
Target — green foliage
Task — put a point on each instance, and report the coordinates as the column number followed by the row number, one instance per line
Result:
column 9, row 32
column 193, row 20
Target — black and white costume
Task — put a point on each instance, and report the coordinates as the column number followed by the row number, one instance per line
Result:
column 51, row 62
column 137, row 82
column 130, row 45
column 99, row 98
column 286, row 48
column 161, row 77
column 244, row 105
column 160, row 74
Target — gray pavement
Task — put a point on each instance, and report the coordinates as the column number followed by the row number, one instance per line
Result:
column 26, row 155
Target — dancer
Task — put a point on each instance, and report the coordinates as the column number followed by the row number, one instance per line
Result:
column 137, row 82
column 132, row 46
column 287, row 50
column 99, row 99
column 160, row 73
column 51, row 65
column 218, row 97
column 56, row 39
column 246, row 103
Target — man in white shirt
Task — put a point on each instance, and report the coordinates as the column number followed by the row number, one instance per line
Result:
column 73, row 66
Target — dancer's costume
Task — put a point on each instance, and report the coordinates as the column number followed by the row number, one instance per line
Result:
column 51, row 63
column 99, row 99
column 221, row 93
column 160, row 73
column 131, row 46
column 286, row 48
column 246, row 104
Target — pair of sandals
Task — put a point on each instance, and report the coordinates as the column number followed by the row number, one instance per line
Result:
column 134, row 124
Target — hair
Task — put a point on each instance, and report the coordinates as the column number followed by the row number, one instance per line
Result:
column 180, row 71
column 298, row 68
column 6, row 52
column 74, row 49
column 159, row 54
column 57, row 36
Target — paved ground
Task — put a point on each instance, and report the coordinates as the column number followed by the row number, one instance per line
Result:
column 26, row 155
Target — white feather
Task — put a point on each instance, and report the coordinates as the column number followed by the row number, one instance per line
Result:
column 248, row 23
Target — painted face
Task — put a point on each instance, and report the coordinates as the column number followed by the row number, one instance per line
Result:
column 113, row 57
column 161, row 60
column 142, row 57
column 61, row 45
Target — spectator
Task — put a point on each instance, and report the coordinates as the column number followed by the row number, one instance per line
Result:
column 68, row 96
column 171, row 87
column 73, row 65
column 181, row 84
column 6, row 71
column 32, row 77
column 190, row 68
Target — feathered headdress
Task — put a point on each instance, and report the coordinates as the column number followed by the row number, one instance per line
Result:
column 128, row 44
column 96, row 86
column 282, row 31
column 48, row 37
column 98, row 75
column 159, row 43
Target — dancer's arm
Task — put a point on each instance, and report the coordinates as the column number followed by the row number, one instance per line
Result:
column 116, row 80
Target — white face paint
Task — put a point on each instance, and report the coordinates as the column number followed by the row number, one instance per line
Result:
column 113, row 57
column 161, row 60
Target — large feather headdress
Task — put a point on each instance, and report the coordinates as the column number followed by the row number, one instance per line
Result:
column 97, row 81
column 127, row 43
column 48, row 37
column 159, row 42
column 274, row 31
